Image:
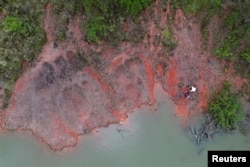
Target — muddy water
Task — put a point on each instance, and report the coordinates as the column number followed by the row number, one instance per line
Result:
column 147, row 139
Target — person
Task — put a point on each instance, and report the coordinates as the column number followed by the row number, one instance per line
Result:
column 192, row 89
column 187, row 95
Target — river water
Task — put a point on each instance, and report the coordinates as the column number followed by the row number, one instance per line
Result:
column 148, row 139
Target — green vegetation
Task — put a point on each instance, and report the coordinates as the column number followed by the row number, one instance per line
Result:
column 246, row 54
column 168, row 40
column 96, row 20
column 105, row 17
column 102, row 18
column 205, row 8
column 235, row 47
column 14, row 24
column 100, row 21
column 225, row 108
column 234, row 41
column 97, row 27
column 64, row 11
column 21, row 37
column 225, row 49
column 133, row 7
column 195, row 6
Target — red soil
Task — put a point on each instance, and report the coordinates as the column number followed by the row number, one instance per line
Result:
column 58, row 101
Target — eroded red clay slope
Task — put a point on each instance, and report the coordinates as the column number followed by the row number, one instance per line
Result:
column 58, row 100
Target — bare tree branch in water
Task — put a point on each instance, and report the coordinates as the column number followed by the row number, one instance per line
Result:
column 205, row 130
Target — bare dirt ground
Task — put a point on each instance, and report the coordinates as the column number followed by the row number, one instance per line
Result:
column 58, row 99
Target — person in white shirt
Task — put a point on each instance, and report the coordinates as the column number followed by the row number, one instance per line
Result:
column 192, row 89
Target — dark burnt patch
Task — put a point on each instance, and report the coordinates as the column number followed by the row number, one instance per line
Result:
column 60, row 61
column 97, row 62
column 61, row 65
column 46, row 76
column 76, row 61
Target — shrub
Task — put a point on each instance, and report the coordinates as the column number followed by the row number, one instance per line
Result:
column 225, row 50
column 246, row 55
column 13, row 24
column 225, row 108
column 231, row 19
column 168, row 40
column 97, row 27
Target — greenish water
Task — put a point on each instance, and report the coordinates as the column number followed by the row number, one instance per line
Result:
column 147, row 139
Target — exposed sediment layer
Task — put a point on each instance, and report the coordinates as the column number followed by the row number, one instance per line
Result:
column 62, row 97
